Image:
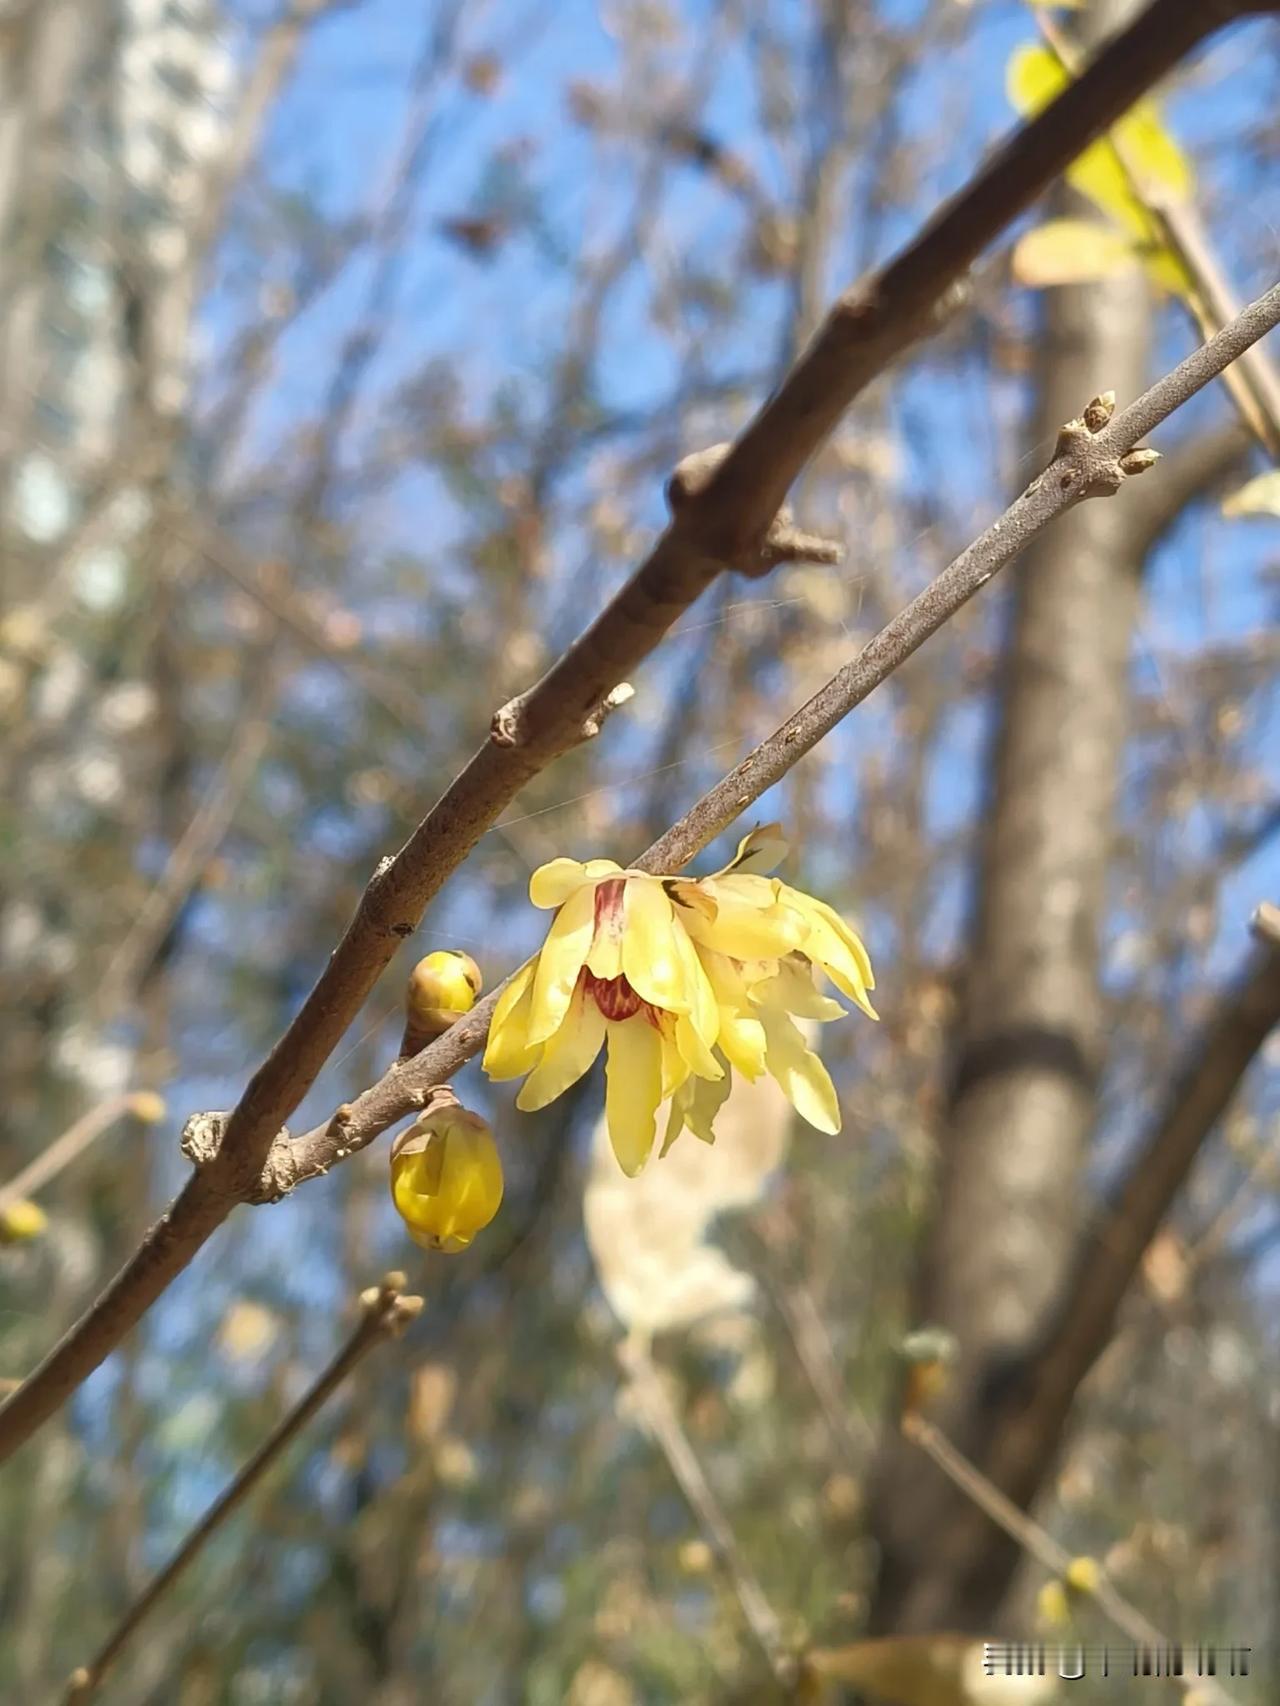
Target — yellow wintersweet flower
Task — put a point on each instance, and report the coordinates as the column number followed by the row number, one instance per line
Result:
column 446, row 1177
column 681, row 978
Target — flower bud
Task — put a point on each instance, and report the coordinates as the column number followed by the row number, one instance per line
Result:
column 147, row 1106
column 442, row 987
column 21, row 1221
column 1082, row 1575
column 446, row 1177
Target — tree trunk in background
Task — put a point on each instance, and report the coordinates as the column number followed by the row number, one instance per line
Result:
column 1023, row 1099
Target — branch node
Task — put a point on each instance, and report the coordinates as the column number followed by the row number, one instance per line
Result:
column 786, row 543
column 1099, row 411
column 279, row 1174
column 693, row 474
column 507, row 726
column 1138, row 461
column 202, row 1138
column 1070, row 437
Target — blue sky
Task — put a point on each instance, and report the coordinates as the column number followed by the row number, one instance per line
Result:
column 332, row 138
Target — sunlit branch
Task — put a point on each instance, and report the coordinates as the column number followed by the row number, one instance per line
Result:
column 725, row 522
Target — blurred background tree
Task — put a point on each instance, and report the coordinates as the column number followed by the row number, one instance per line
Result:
column 344, row 351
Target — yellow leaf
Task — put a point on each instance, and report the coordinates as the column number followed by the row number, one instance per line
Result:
column 1137, row 154
column 1070, row 251
column 1260, row 496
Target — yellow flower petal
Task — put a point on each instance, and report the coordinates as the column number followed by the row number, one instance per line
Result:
column 830, row 943
column 633, row 1089
column 508, row 1052
column 704, row 1099
column 742, row 1042
column 763, row 850
column 651, row 960
column 804, row 1079
column 791, row 987
column 675, row 1121
column 675, row 1067
column 449, row 1188
column 563, row 956
column 551, row 885
column 704, row 1010
column 605, row 958
column 566, row 1055
column 694, row 1051
column 746, row 931
column 743, row 887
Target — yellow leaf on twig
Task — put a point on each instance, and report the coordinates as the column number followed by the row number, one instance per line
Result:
column 1136, row 162
column 1070, row 251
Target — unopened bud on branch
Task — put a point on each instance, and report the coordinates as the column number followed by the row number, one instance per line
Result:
column 442, row 987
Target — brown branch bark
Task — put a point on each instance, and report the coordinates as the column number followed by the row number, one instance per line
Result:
column 404, row 1086
column 723, row 524
column 385, row 1312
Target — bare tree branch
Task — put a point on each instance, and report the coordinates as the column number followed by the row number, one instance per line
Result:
column 645, row 1385
column 724, row 523
column 1040, row 1545
column 1064, row 483
column 385, row 1312
column 64, row 1149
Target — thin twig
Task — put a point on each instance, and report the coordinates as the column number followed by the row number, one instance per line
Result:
column 725, row 522
column 64, row 1149
column 1039, row 1544
column 1254, row 385
column 1063, row 484
column 385, row 1312
column 196, row 846
column 664, row 1427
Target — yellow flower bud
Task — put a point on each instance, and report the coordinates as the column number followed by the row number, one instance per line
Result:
column 20, row 1221
column 1083, row 1575
column 1052, row 1608
column 446, row 1178
column 147, row 1106
column 442, row 987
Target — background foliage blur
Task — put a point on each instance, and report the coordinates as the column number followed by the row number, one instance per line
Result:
column 344, row 351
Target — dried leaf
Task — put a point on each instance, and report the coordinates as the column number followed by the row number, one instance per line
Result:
column 648, row 1235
